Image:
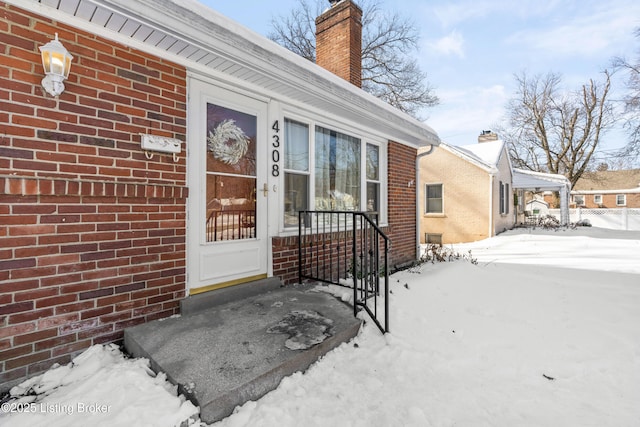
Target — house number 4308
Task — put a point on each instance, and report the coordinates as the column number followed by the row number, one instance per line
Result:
column 275, row 152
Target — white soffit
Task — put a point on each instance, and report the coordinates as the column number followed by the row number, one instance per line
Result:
column 195, row 35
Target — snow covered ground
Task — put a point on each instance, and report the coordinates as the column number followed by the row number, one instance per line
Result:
column 544, row 331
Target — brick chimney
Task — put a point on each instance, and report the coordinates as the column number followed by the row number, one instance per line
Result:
column 339, row 40
column 487, row 136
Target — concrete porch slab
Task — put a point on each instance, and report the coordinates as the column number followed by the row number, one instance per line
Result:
column 224, row 355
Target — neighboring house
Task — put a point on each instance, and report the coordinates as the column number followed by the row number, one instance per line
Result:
column 466, row 192
column 537, row 206
column 99, row 234
column 607, row 189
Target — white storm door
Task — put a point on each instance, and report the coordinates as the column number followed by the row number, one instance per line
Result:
column 227, row 207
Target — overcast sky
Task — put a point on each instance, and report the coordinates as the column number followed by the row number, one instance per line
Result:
column 471, row 49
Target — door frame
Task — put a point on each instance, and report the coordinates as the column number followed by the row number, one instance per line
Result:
column 213, row 265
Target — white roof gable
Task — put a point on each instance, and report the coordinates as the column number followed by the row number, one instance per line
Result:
column 489, row 152
column 485, row 155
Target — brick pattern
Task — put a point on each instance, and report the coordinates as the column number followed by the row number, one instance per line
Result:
column 92, row 232
column 402, row 219
column 326, row 256
column 402, row 203
column 285, row 258
column 339, row 41
column 609, row 201
column 465, row 198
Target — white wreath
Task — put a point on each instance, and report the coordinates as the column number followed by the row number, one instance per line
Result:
column 228, row 142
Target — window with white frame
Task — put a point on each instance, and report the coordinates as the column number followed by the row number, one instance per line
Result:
column 597, row 199
column 373, row 178
column 578, row 199
column 504, row 198
column 433, row 204
column 337, row 175
column 296, row 170
column 329, row 170
column 621, row 199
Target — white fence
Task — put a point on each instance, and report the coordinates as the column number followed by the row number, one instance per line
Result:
column 616, row 219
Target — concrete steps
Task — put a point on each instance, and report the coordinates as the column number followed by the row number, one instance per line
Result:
column 235, row 345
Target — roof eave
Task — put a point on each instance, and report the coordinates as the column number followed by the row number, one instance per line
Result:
column 253, row 58
column 481, row 164
column 285, row 66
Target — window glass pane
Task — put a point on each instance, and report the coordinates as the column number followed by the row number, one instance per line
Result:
column 372, row 196
column 231, row 141
column 372, row 162
column 505, row 197
column 434, row 191
column 434, row 239
column 296, row 151
column 231, row 174
column 231, row 208
column 434, row 198
column 295, row 197
column 337, row 177
column 434, row 205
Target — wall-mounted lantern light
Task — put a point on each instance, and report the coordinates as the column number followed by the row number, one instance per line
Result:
column 56, row 61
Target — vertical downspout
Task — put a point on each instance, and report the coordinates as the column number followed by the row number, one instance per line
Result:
column 492, row 176
column 418, row 157
column 564, row 205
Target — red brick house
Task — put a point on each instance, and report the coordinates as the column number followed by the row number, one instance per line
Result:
column 607, row 189
column 115, row 196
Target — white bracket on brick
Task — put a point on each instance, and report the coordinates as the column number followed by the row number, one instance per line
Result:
column 160, row 144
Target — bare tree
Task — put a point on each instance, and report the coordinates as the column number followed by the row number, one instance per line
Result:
column 631, row 103
column 296, row 31
column 553, row 131
column 388, row 41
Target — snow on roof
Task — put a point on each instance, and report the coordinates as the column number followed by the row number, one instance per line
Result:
column 489, row 152
column 486, row 155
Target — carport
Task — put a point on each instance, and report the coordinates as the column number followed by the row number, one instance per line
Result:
column 538, row 181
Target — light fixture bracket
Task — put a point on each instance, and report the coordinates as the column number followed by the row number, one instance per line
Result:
column 53, row 84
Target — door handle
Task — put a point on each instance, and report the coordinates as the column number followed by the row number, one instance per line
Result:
column 265, row 189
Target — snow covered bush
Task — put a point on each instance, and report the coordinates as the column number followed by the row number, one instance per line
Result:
column 439, row 253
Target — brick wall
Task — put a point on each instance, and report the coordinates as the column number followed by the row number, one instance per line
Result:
column 285, row 258
column 465, row 198
column 402, row 203
column 402, row 219
column 608, row 201
column 327, row 256
column 92, row 233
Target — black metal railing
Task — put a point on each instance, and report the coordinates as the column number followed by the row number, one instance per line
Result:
column 348, row 249
column 231, row 225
